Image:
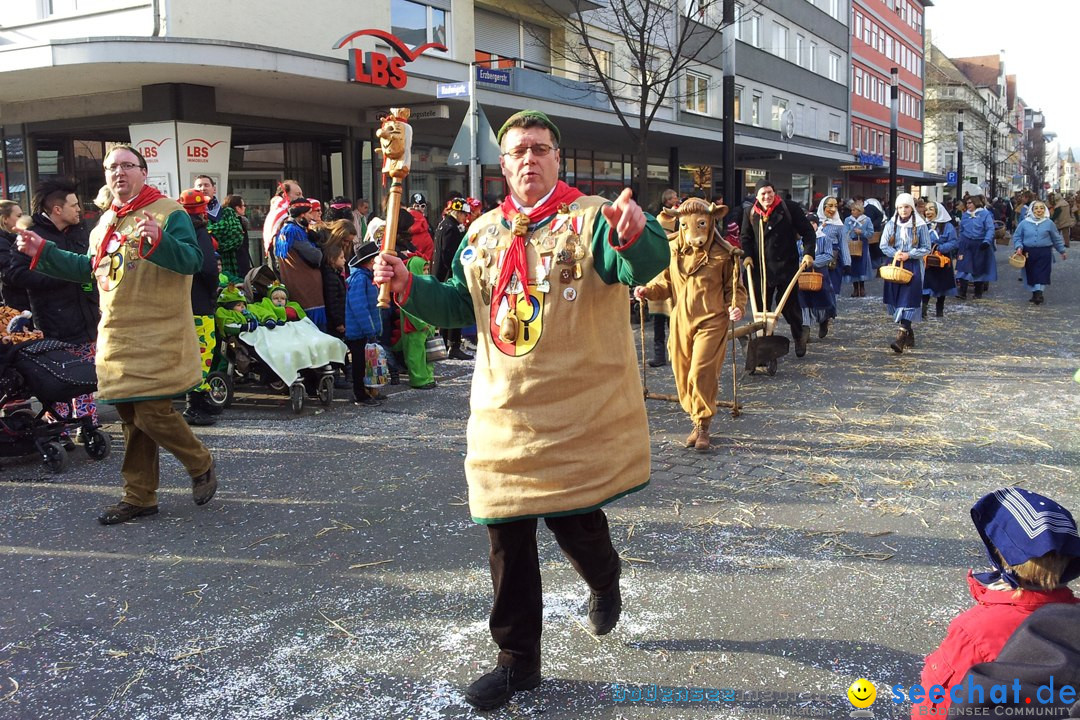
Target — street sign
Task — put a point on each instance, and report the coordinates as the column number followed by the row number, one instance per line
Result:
column 487, row 148
column 493, row 76
column 452, row 90
column 950, row 177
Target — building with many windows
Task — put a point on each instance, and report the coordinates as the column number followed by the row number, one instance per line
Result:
column 253, row 97
column 886, row 34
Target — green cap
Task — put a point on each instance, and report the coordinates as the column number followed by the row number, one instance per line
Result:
column 519, row 119
column 231, row 294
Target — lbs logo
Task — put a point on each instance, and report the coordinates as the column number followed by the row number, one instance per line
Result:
column 374, row 68
column 198, row 150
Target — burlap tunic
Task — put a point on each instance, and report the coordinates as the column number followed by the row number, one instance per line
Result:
column 558, row 421
column 698, row 284
column 146, row 345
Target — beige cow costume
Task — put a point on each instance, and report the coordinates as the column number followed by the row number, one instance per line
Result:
column 698, row 281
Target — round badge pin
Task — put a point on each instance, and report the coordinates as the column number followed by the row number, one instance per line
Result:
column 574, row 207
column 468, row 255
column 569, row 294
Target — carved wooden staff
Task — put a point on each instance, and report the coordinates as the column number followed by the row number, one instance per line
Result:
column 395, row 144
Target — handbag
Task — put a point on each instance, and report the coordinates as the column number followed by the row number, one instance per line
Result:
column 376, row 367
column 1018, row 259
column 935, row 260
column 855, row 248
column 436, row 348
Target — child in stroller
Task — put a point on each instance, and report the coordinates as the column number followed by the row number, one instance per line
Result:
column 53, row 373
column 257, row 346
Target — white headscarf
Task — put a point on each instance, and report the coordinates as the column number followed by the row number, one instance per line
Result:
column 909, row 200
column 875, row 203
column 1031, row 213
column 943, row 215
column 825, row 219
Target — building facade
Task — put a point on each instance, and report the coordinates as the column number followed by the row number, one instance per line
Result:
column 885, row 35
column 302, row 100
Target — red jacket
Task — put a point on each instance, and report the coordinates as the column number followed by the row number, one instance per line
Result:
column 421, row 236
column 977, row 635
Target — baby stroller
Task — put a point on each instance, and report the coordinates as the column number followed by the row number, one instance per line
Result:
column 295, row 357
column 53, row 373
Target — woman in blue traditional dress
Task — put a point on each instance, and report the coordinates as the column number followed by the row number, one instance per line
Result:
column 828, row 213
column 859, row 228
column 976, row 261
column 1035, row 236
column 940, row 281
column 906, row 238
column 819, row 306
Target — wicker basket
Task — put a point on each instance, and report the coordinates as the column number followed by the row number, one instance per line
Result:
column 896, row 273
column 811, row 281
column 855, row 248
column 1018, row 260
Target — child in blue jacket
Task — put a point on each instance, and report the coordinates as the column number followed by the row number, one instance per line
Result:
column 363, row 324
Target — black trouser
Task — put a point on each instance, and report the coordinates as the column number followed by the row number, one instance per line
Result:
column 792, row 309
column 452, row 337
column 659, row 330
column 518, row 610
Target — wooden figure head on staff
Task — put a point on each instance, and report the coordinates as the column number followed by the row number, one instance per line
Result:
column 395, row 144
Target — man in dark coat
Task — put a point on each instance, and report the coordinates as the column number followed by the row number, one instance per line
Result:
column 783, row 224
column 448, row 235
column 63, row 310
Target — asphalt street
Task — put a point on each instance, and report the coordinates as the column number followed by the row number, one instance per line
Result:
column 337, row 573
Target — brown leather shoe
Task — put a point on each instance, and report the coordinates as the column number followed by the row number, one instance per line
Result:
column 900, row 342
column 122, row 512
column 204, row 486
column 692, row 437
column 702, row 442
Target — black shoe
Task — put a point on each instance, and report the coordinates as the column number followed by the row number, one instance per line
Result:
column 1033, row 298
column 196, row 418
column 939, row 311
column 1038, row 297
column 368, row 401
column 823, row 329
column 342, row 383
column 925, row 304
column 604, row 609
column 909, row 338
column 122, row 512
column 659, row 359
column 395, row 377
column 456, row 353
column 201, row 402
column 801, row 340
column 204, row 486
column 494, row 689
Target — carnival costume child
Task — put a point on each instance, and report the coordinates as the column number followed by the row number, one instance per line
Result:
column 1034, row 548
column 907, row 239
column 975, row 262
column 698, row 282
column 832, row 226
column 819, row 306
column 939, row 278
column 859, row 228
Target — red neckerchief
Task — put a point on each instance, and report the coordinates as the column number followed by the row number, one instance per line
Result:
column 765, row 213
column 515, row 261
column 146, row 196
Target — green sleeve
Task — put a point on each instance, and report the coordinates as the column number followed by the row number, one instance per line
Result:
column 634, row 264
column 179, row 248
column 63, row 264
column 443, row 304
column 228, row 231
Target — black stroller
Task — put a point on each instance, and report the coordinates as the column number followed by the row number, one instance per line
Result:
column 53, row 373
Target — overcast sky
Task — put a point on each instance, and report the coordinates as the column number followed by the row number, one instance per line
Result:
column 1040, row 39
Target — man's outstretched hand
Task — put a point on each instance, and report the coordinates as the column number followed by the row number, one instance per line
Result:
column 625, row 217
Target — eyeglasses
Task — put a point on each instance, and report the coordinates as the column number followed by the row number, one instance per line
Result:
column 126, row 167
column 537, row 150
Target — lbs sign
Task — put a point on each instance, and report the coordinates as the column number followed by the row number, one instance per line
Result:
column 376, row 69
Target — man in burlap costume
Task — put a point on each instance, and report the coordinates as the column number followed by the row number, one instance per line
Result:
column 698, row 282
column 558, row 426
column 142, row 255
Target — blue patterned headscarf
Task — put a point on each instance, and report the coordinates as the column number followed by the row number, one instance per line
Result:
column 1022, row 525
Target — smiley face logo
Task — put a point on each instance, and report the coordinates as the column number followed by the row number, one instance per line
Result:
column 862, row 693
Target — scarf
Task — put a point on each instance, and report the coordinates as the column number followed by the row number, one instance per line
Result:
column 766, row 212
column 515, row 261
column 825, row 219
column 213, row 209
column 146, row 196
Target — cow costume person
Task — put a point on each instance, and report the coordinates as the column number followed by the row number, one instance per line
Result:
column 698, row 281
column 778, row 224
column 558, row 426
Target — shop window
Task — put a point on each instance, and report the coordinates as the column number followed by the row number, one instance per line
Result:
column 779, row 105
column 418, row 23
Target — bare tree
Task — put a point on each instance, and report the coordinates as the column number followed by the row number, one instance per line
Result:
column 660, row 39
